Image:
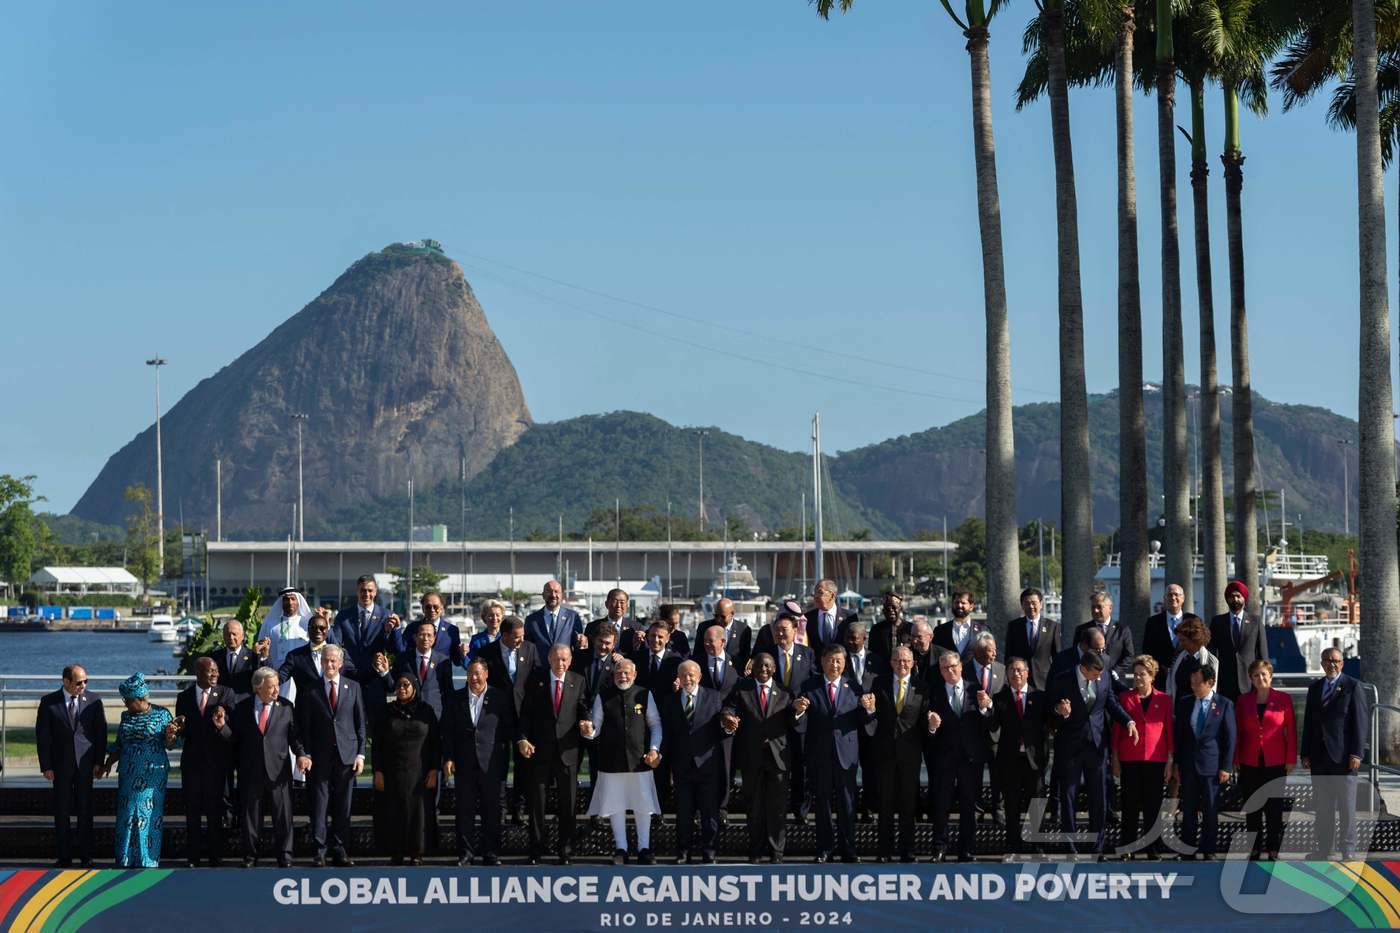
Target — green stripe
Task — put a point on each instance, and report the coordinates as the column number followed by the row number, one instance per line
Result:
column 121, row 891
column 1288, row 873
column 1357, row 893
column 75, row 896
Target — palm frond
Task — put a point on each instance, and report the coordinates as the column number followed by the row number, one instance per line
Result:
column 824, row 7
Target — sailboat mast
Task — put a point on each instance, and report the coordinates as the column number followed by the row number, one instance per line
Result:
column 817, row 571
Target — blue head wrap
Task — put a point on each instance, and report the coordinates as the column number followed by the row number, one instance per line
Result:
column 134, row 687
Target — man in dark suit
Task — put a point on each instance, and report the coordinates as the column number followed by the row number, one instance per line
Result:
column 1082, row 701
column 430, row 667
column 555, row 703
column 759, row 716
column 263, row 727
column 959, row 632
column 1018, row 714
column 925, row 654
column 236, row 663
column 831, row 716
column 332, row 723
column 365, row 629
column 826, row 621
column 793, row 668
column 204, row 762
column 890, row 631
column 961, row 741
column 510, row 663
column 984, row 672
column 302, row 666
column 554, row 624
column 1238, row 640
column 861, row 670
column 1086, row 639
column 738, row 637
column 902, row 725
column 1033, row 637
column 718, row 673
column 71, row 732
column 447, row 638
column 656, row 663
column 626, row 638
column 595, row 663
column 693, row 741
column 1204, row 727
column 1118, row 651
column 1159, row 639
column 1335, row 723
column 478, row 729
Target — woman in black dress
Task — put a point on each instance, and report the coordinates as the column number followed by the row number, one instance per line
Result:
column 406, row 756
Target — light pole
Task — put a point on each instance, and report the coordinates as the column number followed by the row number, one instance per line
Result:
column 300, row 418
column 158, row 362
column 1346, row 484
column 702, row 481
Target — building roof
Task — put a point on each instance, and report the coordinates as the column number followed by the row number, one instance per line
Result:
column 82, row 576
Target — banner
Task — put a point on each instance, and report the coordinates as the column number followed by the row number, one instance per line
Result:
column 1281, row 895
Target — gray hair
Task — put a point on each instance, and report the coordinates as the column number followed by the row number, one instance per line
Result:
column 854, row 626
column 923, row 627
column 493, row 604
column 825, row 586
column 262, row 675
column 232, row 622
column 984, row 637
column 688, row 664
column 339, row 652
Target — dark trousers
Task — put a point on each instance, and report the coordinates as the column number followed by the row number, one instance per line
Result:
column 331, row 790
column 1141, row 785
column 515, row 798
column 766, row 792
column 204, row 800
column 278, row 800
column 1252, row 778
column 960, row 779
column 699, row 790
column 1199, row 792
column 477, row 794
column 72, row 792
column 834, row 785
column 797, row 776
column 1020, row 784
column 1082, row 767
column 564, row 779
column 870, row 774
column 899, row 794
column 1334, row 800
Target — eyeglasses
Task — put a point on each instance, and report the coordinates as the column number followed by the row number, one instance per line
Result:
column 78, row 683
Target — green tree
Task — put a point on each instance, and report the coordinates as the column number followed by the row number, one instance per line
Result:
column 18, row 540
column 142, row 557
column 211, row 633
column 425, row 578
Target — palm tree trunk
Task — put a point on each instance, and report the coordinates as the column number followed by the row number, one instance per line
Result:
column 1380, row 637
column 1176, row 486
column 1135, row 595
column 1211, row 511
column 1242, row 402
column 1003, row 543
column 1076, row 496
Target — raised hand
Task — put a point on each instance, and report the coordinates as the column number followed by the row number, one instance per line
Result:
column 392, row 622
column 983, row 701
column 585, row 728
column 220, row 718
column 867, row 702
column 263, row 647
column 581, row 640
column 381, row 663
column 799, row 705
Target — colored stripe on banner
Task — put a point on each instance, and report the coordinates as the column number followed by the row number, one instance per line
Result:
column 75, row 896
column 1377, row 888
column 127, row 888
column 14, row 887
column 43, row 900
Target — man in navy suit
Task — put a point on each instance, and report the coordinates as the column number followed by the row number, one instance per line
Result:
column 861, row 669
column 656, row 663
column 236, row 663
column 510, row 663
column 692, row 741
column 302, row 666
column 1118, row 638
column 1018, row 713
column 826, row 621
column 365, row 629
column 1033, row 638
column 1238, row 640
column 1082, row 701
column 332, row 722
column 962, row 745
column 71, row 732
column 902, row 724
column 959, row 633
column 431, row 668
column 1335, row 723
column 1159, row 638
column 204, row 763
column 718, row 673
column 831, row 716
column 793, row 668
column 555, row 624
column 447, row 638
column 1204, row 726
column 759, row 715
column 555, row 703
column 738, row 637
column 479, row 726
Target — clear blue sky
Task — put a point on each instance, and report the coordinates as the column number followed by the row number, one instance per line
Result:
column 179, row 179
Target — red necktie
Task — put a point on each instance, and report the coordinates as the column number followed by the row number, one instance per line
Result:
column 763, row 700
column 558, row 695
column 333, row 697
column 422, row 670
column 1020, row 705
column 262, row 718
column 986, row 673
column 831, row 689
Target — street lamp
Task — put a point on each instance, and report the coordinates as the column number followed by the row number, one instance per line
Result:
column 300, row 418
column 158, row 362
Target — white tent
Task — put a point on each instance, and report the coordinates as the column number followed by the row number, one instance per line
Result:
column 82, row 580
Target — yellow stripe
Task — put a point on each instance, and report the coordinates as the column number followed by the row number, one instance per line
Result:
column 38, row 907
column 1381, row 891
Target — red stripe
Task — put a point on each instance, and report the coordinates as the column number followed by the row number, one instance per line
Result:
column 15, row 886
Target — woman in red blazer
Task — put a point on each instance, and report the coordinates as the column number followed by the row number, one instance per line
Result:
column 1142, row 767
column 1266, row 746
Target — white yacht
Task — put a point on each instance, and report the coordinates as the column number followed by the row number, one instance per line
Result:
column 162, row 628
column 737, row 583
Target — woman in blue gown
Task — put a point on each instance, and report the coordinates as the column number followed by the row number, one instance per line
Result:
column 143, row 736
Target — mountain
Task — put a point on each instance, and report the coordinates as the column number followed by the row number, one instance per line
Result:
column 574, row 467
column 917, row 479
column 395, row 360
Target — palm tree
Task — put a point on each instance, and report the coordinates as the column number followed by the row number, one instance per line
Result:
column 1046, row 37
column 1003, row 551
column 1175, row 459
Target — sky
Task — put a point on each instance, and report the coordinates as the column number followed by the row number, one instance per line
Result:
column 661, row 207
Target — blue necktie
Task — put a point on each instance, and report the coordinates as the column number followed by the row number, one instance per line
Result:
column 1201, row 717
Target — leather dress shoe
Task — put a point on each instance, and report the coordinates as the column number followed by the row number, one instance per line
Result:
column 645, row 857
column 344, row 861
column 319, row 862
column 250, row 863
column 490, row 860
